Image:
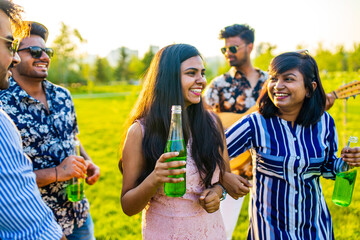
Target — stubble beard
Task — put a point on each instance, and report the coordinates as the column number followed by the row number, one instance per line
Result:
column 4, row 84
column 238, row 63
column 4, row 80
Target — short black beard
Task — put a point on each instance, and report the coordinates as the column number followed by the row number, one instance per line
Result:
column 241, row 61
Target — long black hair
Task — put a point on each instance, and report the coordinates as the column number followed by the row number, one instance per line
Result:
column 162, row 89
column 314, row 104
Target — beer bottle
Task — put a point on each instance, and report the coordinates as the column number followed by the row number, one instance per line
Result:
column 176, row 143
column 345, row 182
column 75, row 187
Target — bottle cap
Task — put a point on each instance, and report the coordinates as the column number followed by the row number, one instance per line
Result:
column 353, row 139
column 176, row 108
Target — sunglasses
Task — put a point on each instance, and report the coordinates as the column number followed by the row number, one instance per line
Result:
column 303, row 51
column 36, row 52
column 232, row 49
column 13, row 47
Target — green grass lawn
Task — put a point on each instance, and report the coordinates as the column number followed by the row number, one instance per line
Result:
column 101, row 126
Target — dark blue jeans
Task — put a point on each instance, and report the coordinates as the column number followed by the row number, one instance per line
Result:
column 85, row 232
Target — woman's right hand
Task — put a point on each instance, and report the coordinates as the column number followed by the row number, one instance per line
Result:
column 162, row 170
column 236, row 186
column 351, row 156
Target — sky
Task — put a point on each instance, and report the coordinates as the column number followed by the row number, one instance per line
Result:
column 137, row 24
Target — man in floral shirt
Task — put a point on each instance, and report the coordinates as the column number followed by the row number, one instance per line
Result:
column 45, row 116
column 235, row 92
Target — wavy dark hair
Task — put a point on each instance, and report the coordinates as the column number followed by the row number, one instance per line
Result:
column 38, row 29
column 314, row 104
column 244, row 31
column 162, row 89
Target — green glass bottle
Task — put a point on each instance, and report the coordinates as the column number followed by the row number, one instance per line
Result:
column 176, row 143
column 75, row 189
column 345, row 182
column 75, row 186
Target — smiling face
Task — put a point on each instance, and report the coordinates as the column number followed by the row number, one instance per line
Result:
column 32, row 68
column 287, row 91
column 7, row 59
column 193, row 80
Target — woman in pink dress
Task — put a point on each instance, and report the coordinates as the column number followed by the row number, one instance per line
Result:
column 176, row 76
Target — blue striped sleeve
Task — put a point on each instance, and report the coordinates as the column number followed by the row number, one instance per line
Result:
column 23, row 214
column 333, row 164
column 239, row 136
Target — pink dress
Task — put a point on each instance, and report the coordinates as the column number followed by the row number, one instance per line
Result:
column 166, row 218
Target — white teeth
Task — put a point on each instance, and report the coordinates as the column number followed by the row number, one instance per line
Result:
column 281, row 94
column 40, row 65
column 196, row 90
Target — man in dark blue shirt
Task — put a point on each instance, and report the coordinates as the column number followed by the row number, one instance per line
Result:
column 45, row 116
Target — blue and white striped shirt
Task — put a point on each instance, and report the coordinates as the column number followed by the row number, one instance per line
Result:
column 287, row 200
column 23, row 214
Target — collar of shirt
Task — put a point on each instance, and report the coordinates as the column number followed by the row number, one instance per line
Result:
column 20, row 94
column 263, row 75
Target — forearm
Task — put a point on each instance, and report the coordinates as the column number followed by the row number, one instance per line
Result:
column 226, row 157
column 136, row 199
column 46, row 176
column 224, row 181
column 227, row 165
column 236, row 186
column 83, row 153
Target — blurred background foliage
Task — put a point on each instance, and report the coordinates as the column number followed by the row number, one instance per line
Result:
column 71, row 68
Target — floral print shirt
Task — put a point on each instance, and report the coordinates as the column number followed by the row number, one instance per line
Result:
column 232, row 92
column 47, row 139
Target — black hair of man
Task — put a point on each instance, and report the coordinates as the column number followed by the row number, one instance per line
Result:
column 38, row 29
column 244, row 31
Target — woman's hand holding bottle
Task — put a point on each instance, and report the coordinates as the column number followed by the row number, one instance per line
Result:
column 164, row 169
column 351, row 155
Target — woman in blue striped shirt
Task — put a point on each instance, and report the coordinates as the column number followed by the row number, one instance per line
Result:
column 294, row 142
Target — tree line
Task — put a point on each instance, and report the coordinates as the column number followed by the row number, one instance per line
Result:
column 68, row 67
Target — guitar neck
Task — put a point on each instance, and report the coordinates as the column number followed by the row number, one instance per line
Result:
column 347, row 90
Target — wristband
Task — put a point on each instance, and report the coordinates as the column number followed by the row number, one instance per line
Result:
column 56, row 174
column 223, row 196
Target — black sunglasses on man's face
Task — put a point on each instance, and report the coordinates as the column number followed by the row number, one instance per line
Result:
column 232, row 49
column 36, row 52
column 13, row 45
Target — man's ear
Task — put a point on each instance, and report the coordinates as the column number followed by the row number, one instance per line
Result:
column 250, row 46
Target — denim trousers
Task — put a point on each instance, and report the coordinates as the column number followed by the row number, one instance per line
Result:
column 85, row 232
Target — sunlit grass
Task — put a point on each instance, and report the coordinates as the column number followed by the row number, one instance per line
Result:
column 101, row 126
